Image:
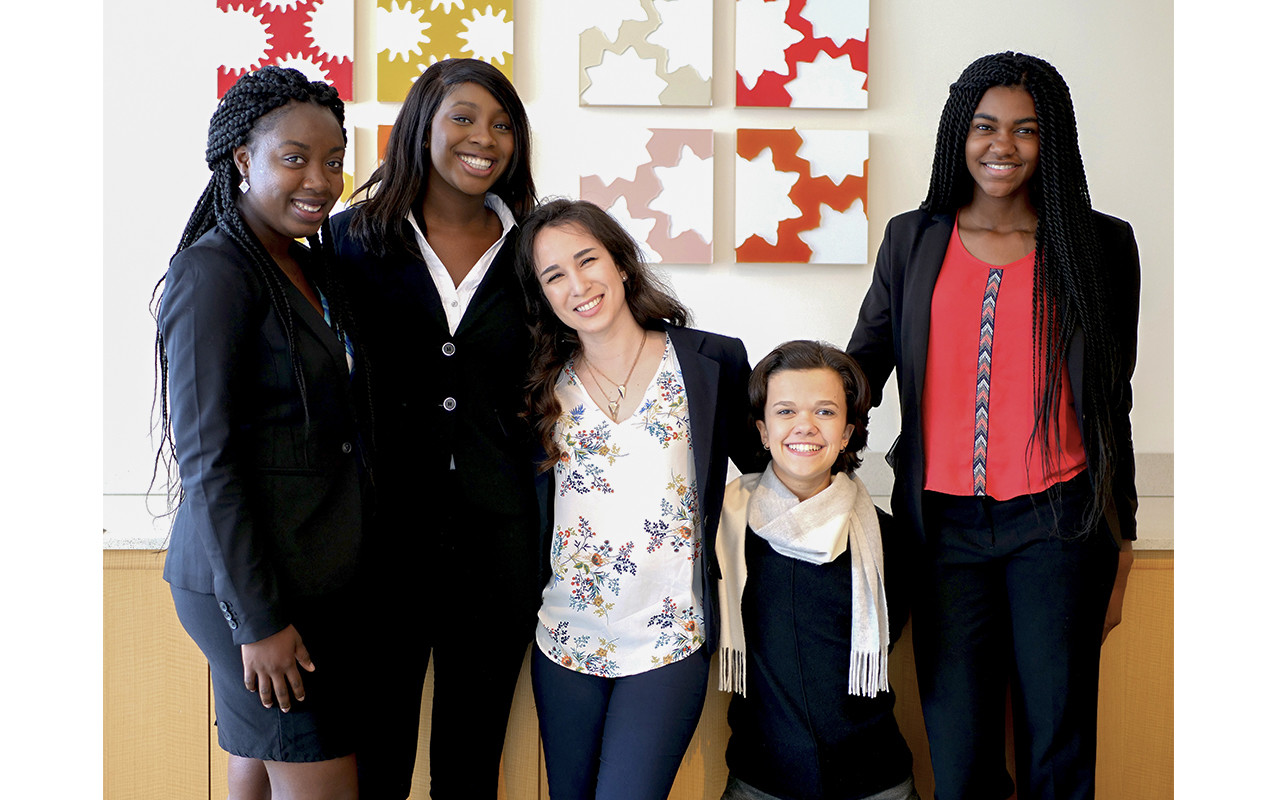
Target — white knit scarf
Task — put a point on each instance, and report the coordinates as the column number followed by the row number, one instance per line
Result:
column 816, row 531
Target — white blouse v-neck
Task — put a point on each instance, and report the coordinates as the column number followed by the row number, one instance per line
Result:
column 626, row 553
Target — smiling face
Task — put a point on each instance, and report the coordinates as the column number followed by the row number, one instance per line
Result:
column 1002, row 148
column 580, row 281
column 805, row 427
column 293, row 161
column 471, row 143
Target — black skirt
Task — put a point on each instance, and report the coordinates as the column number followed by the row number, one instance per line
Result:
column 319, row 728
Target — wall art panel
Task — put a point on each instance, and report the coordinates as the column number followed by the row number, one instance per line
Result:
column 315, row 37
column 414, row 34
column 645, row 53
column 802, row 53
column 658, row 183
column 801, row 196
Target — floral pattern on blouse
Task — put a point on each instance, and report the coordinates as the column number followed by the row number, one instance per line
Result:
column 681, row 632
column 591, row 568
column 625, row 595
column 678, row 523
column 574, row 652
column 666, row 417
column 579, row 449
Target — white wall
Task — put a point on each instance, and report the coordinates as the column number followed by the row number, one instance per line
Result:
column 1117, row 56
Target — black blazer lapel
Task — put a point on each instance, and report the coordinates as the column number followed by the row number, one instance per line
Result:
column 701, row 377
column 311, row 322
column 917, row 302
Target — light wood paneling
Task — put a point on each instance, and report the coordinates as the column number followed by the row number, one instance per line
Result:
column 155, row 701
column 1135, row 695
column 160, row 743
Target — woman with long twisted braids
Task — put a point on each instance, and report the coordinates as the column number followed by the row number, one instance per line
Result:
column 261, row 394
column 1009, row 310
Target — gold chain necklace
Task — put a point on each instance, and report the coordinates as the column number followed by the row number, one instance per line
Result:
column 622, row 387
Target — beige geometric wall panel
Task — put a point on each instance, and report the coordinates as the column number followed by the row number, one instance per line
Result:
column 657, row 183
column 644, row 53
column 414, row 34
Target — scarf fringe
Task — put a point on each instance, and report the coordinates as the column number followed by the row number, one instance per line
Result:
column 733, row 671
column 868, row 674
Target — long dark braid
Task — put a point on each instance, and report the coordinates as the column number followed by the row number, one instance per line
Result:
column 240, row 112
column 1069, row 287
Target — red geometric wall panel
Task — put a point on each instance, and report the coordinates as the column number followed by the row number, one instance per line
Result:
column 315, row 37
column 802, row 53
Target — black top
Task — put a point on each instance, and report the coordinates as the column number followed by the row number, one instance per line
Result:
column 274, row 508
column 442, row 397
column 798, row 734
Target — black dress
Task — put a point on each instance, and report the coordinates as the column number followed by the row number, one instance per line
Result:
column 798, row 733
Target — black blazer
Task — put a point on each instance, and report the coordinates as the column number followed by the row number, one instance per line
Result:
column 892, row 333
column 715, row 371
column 439, row 395
column 273, row 505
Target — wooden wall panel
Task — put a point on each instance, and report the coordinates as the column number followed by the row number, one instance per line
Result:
column 1135, row 695
column 159, row 739
column 155, row 701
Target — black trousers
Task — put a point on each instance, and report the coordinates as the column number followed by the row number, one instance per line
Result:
column 1009, row 598
column 461, row 590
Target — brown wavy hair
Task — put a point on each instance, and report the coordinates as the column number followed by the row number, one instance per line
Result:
column 804, row 354
column 554, row 343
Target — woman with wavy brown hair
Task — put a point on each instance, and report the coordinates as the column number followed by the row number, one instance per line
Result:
column 638, row 416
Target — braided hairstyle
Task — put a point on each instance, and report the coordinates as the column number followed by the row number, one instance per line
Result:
column 649, row 300
column 399, row 184
column 251, row 106
column 1069, row 289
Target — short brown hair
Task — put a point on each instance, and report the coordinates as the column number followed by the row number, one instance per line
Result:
column 802, row 354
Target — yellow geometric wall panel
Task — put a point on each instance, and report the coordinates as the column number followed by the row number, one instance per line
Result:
column 414, row 34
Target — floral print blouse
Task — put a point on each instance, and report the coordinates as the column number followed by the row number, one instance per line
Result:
column 626, row 552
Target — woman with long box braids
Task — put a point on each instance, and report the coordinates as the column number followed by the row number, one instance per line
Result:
column 1009, row 309
column 262, row 401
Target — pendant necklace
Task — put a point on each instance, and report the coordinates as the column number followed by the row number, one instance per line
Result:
column 622, row 387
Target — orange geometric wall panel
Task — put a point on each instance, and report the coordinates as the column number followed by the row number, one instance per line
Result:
column 801, row 196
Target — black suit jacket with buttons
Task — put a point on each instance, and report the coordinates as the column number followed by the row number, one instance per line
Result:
column 440, row 395
column 273, row 507
column 892, row 334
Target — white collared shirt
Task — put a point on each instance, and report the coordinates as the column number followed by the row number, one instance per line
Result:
column 456, row 299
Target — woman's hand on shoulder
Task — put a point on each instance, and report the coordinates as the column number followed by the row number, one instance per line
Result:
column 271, row 667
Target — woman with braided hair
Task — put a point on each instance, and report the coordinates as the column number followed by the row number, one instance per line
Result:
column 1009, row 310
column 261, row 389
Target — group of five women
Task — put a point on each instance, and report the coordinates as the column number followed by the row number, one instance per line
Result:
column 458, row 421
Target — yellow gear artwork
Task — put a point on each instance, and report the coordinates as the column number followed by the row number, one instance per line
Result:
column 414, row 34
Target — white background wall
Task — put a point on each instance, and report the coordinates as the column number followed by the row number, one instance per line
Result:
column 1116, row 55
column 129, row 136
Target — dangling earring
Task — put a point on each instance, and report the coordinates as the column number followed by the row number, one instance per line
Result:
column 244, row 184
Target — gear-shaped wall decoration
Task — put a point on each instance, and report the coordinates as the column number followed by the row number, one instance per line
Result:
column 316, row 37
column 413, row 34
